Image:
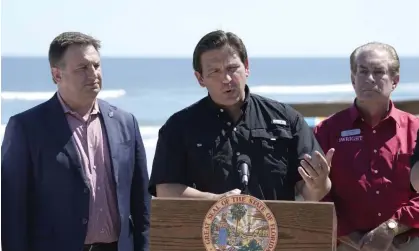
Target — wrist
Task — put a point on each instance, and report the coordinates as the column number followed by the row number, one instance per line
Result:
column 393, row 226
column 324, row 187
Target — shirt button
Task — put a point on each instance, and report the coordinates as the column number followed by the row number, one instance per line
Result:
column 375, row 171
column 373, row 131
column 102, row 231
column 221, row 110
column 84, row 221
column 98, row 188
column 235, row 129
column 237, row 153
column 379, row 214
column 377, row 192
column 228, row 123
column 375, row 151
column 101, row 209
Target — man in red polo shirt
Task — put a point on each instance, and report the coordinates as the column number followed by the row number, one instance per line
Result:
column 373, row 141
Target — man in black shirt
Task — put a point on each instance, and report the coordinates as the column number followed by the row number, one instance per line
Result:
column 414, row 175
column 199, row 148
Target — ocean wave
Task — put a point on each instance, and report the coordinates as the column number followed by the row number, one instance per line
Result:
column 322, row 89
column 105, row 94
column 148, row 133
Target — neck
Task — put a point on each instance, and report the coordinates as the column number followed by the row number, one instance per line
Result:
column 235, row 111
column 83, row 108
column 373, row 111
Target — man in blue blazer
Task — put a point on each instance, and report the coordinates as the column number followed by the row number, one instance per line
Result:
column 74, row 174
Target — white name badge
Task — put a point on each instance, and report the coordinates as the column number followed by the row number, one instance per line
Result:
column 352, row 132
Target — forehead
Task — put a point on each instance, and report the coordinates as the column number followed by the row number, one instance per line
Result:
column 223, row 55
column 373, row 58
column 78, row 54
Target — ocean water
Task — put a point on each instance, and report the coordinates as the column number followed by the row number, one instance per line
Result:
column 154, row 88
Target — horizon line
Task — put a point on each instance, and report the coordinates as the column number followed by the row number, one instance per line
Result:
column 190, row 57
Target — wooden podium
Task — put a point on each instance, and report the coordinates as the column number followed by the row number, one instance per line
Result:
column 176, row 224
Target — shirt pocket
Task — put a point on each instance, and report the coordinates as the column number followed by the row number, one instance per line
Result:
column 272, row 149
column 199, row 160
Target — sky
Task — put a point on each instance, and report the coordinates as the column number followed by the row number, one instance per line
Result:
column 168, row 28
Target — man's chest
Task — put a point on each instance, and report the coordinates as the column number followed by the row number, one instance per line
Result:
column 218, row 149
column 372, row 157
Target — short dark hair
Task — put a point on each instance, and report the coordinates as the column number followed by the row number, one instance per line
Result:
column 216, row 40
column 60, row 44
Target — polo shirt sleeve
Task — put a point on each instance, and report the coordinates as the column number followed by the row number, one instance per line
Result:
column 409, row 214
column 304, row 142
column 169, row 164
column 415, row 156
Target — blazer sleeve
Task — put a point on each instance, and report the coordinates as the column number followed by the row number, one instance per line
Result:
column 140, row 197
column 15, row 172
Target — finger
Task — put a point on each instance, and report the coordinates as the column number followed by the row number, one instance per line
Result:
column 322, row 161
column 309, row 159
column 329, row 156
column 309, row 169
column 307, row 179
column 235, row 191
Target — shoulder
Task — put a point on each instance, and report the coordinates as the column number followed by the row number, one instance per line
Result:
column 28, row 117
column 186, row 117
column 408, row 120
column 277, row 110
column 110, row 110
column 333, row 121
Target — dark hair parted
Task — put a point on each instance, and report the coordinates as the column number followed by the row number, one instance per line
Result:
column 216, row 40
column 60, row 44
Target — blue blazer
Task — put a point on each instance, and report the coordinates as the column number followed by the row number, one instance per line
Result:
column 44, row 193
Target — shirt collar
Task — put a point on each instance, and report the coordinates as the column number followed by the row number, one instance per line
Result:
column 67, row 109
column 217, row 108
column 393, row 113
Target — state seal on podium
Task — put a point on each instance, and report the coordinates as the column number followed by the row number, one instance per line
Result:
column 239, row 223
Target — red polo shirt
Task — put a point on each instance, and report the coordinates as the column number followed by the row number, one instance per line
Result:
column 370, row 170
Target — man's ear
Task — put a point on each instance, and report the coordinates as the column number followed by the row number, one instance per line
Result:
column 352, row 79
column 56, row 74
column 396, row 80
column 246, row 67
column 199, row 78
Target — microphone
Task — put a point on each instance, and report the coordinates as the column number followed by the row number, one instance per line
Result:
column 244, row 164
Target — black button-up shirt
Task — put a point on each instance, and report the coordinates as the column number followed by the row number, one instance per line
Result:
column 199, row 146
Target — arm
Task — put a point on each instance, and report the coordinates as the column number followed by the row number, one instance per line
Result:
column 322, row 137
column 140, row 198
column 15, row 171
column 414, row 174
column 305, row 143
column 414, row 177
column 169, row 173
column 407, row 217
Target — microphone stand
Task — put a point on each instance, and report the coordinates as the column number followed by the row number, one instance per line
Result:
column 245, row 189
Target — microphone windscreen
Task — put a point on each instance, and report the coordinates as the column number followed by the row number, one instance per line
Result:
column 243, row 158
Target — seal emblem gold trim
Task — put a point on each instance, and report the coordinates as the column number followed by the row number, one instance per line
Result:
column 239, row 223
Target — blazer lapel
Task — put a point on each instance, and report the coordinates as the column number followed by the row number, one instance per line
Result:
column 111, row 127
column 60, row 131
